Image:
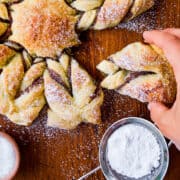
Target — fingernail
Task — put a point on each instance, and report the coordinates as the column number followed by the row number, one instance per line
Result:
column 149, row 106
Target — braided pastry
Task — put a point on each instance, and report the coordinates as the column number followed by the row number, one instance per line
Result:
column 71, row 94
column 21, row 90
column 141, row 72
column 99, row 14
column 46, row 27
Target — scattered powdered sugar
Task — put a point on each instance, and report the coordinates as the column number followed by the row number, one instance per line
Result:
column 146, row 21
column 133, row 151
column 113, row 11
column 7, row 157
column 155, row 18
column 56, row 93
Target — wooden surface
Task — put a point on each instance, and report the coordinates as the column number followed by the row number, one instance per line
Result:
column 48, row 153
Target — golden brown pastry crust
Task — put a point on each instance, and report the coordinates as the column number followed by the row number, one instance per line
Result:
column 3, row 19
column 71, row 93
column 155, row 81
column 139, row 6
column 5, row 55
column 3, row 11
column 112, row 13
column 68, row 110
column 21, row 93
column 44, row 27
column 100, row 14
column 3, row 28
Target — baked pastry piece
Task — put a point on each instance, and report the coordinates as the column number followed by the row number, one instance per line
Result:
column 9, row 1
column 21, row 89
column 99, row 14
column 138, row 7
column 71, row 94
column 4, row 19
column 141, row 72
column 44, row 27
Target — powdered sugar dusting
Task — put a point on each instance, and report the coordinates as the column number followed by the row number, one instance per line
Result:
column 113, row 11
column 155, row 18
column 55, row 93
column 44, row 28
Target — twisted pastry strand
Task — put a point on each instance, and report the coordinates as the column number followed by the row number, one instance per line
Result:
column 71, row 94
column 98, row 14
column 45, row 34
column 141, row 72
column 21, row 89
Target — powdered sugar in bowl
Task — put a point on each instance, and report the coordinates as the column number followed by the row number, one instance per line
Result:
column 133, row 148
column 9, row 157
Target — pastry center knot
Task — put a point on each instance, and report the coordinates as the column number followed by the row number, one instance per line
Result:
column 43, row 27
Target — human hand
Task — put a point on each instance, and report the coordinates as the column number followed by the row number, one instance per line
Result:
column 167, row 119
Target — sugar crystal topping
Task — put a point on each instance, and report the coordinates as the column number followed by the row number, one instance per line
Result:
column 44, row 28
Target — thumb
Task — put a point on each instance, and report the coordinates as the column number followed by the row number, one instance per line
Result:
column 158, row 112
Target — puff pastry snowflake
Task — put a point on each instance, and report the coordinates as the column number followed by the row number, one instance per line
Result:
column 34, row 69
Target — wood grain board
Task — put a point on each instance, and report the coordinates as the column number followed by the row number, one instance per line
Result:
column 48, row 153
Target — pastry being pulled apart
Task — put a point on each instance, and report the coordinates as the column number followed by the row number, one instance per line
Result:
column 140, row 71
column 71, row 94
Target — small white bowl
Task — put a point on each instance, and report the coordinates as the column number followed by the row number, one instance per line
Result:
column 158, row 173
column 17, row 156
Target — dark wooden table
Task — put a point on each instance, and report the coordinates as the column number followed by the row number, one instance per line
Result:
column 48, row 153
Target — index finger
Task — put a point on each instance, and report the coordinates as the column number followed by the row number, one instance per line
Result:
column 173, row 31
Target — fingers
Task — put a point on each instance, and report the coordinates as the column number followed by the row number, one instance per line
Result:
column 173, row 31
column 159, row 115
column 169, row 43
column 157, row 111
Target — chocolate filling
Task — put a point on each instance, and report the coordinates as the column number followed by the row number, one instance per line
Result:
column 57, row 78
column 36, row 82
column 69, row 75
column 24, row 63
column 15, row 2
column 134, row 75
column 4, row 20
column 96, row 93
column 129, row 13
